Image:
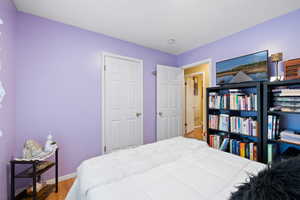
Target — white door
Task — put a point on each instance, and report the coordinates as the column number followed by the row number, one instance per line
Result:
column 170, row 84
column 190, row 107
column 123, row 107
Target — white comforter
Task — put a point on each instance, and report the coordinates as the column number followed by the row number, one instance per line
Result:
column 177, row 168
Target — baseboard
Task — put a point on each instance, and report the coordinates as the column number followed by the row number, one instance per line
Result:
column 61, row 178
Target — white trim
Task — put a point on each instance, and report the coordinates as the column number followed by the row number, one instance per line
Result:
column 206, row 61
column 106, row 54
column 62, row 178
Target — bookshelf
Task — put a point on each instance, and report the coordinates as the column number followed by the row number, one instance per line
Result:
column 273, row 144
column 239, row 121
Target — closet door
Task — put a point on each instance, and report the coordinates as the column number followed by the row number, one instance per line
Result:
column 170, row 85
column 123, row 116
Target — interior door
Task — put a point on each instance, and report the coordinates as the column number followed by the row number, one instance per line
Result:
column 170, row 84
column 190, row 107
column 123, row 103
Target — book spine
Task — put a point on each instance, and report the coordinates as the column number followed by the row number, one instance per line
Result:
column 270, row 123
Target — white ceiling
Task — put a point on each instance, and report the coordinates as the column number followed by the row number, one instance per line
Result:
column 152, row 23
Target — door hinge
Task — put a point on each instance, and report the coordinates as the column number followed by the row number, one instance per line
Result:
column 104, row 67
column 105, row 149
column 185, row 83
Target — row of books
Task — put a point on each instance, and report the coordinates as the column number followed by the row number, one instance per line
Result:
column 219, row 122
column 242, row 101
column 245, row 126
column 241, row 125
column 273, row 127
column 218, row 101
column 215, row 141
column 237, row 147
column 235, row 100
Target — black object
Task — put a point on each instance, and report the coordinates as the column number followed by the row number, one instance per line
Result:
column 34, row 172
column 268, row 103
column 279, row 182
column 258, row 114
column 290, row 153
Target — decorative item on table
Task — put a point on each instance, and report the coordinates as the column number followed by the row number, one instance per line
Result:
column 292, row 69
column 34, row 151
column 277, row 57
column 50, row 145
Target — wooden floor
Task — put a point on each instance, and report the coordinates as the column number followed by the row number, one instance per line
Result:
column 197, row 134
column 63, row 189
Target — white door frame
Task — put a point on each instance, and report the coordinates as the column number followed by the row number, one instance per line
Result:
column 184, row 107
column 106, row 54
column 205, row 61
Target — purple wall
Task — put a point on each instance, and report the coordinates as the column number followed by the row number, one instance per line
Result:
column 7, row 76
column 277, row 35
column 59, row 86
column 58, row 78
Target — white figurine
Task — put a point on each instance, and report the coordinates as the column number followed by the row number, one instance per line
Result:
column 49, row 144
column 31, row 149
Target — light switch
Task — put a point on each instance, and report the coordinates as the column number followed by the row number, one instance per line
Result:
column 1, row 133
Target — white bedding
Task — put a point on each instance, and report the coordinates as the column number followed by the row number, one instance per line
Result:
column 177, row 168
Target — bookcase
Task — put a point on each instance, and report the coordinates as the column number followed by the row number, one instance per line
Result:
column 281, row 111
column 234, row 119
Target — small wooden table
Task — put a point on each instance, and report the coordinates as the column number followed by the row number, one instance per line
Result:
column 34, row 172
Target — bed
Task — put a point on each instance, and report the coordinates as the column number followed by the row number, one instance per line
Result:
column 175, row 169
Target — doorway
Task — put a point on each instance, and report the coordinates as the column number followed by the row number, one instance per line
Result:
column 197, row 79
column 194, row 105
column 122, row 103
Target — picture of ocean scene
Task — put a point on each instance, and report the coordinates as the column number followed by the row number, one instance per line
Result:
column 254, row 65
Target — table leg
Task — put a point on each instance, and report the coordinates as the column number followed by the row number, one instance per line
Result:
column 34, row 180
column 56, row 171
column 12, row 181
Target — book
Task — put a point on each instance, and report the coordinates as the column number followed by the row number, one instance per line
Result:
column 272, row 150
column 270, row 124
column 251, row 156
column 242, row 149
column 224, row 145
column 255, row 152
column 273, row 127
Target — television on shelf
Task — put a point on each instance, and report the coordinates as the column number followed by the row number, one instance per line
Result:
column 252, row 67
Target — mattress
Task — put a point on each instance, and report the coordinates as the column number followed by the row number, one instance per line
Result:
column 177, row 168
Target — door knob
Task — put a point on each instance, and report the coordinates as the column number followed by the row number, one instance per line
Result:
column 160, row 114
column 138, row 114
